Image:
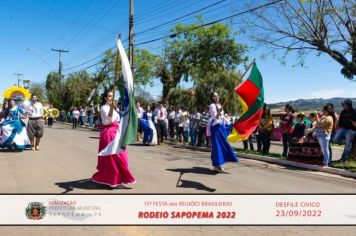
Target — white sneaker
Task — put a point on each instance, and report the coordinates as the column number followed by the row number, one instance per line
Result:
column 219, row 169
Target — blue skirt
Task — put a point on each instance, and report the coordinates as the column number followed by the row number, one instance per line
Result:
column 221, row 150
column 149, row 132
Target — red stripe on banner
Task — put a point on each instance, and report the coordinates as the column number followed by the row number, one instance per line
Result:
column 246, row 127
column 248, row 91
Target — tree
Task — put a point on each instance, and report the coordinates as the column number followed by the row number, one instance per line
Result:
column 306, row 26
column 143, row 97
column 39, row 90
column 208, row 56
column 182, row 97
column 145, row 64
column 78, row 87
column 54, row 87
column 224, row 83
column 172, row 67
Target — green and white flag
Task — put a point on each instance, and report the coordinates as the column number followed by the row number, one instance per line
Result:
column 129, row 121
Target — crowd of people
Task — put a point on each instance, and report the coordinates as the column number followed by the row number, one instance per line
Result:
column 311, row 136
column 82, row 116
column 158, row 122
column 303, row 136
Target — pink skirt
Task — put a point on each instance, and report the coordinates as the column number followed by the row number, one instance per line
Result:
column 113, row 169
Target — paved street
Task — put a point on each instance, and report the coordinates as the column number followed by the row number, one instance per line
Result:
column 67, row 160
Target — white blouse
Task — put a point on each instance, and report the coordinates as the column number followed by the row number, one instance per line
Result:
column 149, row 115
column 105, row 119
column 213, row 113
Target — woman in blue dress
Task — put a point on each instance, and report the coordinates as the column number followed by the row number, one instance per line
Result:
column 220, row 128
column 13, row 131
column 148, row 128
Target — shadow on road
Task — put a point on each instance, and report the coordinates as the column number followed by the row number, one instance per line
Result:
column 86, row 184
column 138, row 144
column 195, row 170
column 181, row 183
column 10, row 150
column 196, row 185
column 54, row 127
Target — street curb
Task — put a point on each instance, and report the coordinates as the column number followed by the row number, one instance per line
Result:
column 330, row 170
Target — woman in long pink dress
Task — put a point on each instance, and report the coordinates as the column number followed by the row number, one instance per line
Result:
column 113, row 169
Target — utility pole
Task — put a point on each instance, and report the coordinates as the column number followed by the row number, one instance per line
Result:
column 18, row 78
column 60, row 70
column 59, row 60
column 131, row 35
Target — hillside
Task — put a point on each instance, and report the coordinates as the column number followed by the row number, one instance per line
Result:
column 313, row 104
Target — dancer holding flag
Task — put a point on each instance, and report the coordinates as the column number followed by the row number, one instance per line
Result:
column 220, row 126
column 112, row 165
column 252, row 100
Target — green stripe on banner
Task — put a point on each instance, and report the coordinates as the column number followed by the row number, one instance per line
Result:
column 246, row 127
column 256, row 77
column 252, row 110
column 131, row 129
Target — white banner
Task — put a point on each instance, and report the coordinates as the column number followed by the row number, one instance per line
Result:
column 178, row 210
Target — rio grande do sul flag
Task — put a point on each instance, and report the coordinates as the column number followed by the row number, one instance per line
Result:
column 251, row 97
column 129, row 122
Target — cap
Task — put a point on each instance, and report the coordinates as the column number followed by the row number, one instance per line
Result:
column 347, row 102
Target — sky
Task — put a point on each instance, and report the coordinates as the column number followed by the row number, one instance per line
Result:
column 31, row 28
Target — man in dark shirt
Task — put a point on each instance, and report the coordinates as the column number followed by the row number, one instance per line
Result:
column 346, row 130
column 204, row 119
column 353, row 120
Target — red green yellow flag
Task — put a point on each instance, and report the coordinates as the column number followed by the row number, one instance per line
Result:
column 251, row 97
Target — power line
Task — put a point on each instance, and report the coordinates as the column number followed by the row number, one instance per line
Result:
column 34, row 52
column 18, row 78
column 97, row 63
column 173, row 35
column 194, row 17
column 158, row 8
column 97, row 27
column 169, row 12
column 59, row 60
column 191, row 13
column 211, row 23
column 109, row 35
column 74, row 22
column 88, row 27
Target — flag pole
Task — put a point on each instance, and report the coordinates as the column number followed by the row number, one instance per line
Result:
column 232, row 92
column 116, row 70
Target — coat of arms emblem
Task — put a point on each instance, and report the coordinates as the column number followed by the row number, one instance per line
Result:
column 35, row 211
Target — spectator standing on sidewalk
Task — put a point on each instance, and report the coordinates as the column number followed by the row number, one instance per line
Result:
column 345, row 130
column 90, row 113
column 82, row 116
column 75, row 117
column 353, row 120
column 286, row 124
column 323, row 132
column 203, row 122
column 194, row 125
column 265, row 131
